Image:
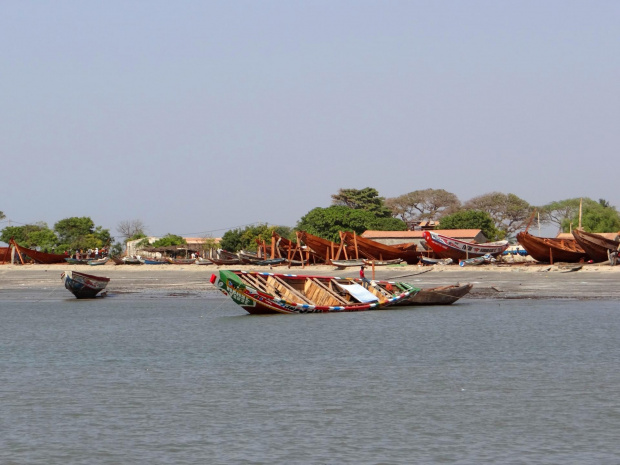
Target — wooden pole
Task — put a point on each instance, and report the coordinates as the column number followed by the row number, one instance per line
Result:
column 373, row 270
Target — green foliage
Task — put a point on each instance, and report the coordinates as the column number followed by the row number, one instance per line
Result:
column 472, row 219
column 362, row 199
column 80, row 233
column 135, row 237
column 327, row 222
column 596, row 216
column 168, row 240
column 29, row 235
column 2, row 216
column 116, row 249
column 238, row 239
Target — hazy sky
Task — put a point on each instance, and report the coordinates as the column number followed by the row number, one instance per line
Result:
column 200, row 116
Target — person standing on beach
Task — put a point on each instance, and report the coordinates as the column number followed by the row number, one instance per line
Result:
column 363, row 277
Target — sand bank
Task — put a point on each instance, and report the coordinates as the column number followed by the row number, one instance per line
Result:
column 517, row 281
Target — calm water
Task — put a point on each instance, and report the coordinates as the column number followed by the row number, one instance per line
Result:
column 193, row 380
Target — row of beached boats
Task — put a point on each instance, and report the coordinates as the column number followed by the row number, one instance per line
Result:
column 582, row 247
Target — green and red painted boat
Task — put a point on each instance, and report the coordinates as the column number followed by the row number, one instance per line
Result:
column 263, row 293
column 267, row 293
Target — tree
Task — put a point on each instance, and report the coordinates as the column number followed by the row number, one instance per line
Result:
column 362, row 199
column 421, row 205
column 131, row 229
column 32, row 236
column 2, row 216
column 80, row 233
column 327, row 222
column 595, row 216
column 169, row 240
column 508, row 211
column 245, row 239
column 472, row 219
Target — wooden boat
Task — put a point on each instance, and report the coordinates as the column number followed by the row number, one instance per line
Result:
column 550, row 250
column 323, row 248
column 270, row 262
column 180, row 261
column 457, row 250
column 82, row 285
column 373, row 250
column 5, row 255
column 132, row 261
column 369, row 262
column 264, row 293
column 77, row 261
column 348, row 263
column 443, row 295
column 100, row 261
column 149, row 261
column 203, row 261
column 436, row 261
column 596, row 246
column 117, row 260
column 39, row 257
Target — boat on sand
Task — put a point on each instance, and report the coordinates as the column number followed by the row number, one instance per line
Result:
column 449, row 247
column 550, row 249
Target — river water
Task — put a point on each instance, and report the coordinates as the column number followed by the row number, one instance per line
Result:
column 192, row 379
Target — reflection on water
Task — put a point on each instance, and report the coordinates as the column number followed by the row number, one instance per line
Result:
column 192, row 379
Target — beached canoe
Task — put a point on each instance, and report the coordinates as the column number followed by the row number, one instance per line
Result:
column 82, row 285
column 449, row 247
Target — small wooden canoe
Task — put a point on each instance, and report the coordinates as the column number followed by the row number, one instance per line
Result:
column 101, row 261
column 82, row 285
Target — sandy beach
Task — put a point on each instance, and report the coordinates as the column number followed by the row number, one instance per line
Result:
column 506, row 281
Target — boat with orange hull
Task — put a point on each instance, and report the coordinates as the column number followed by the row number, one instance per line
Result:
column 550, row 250
column 374, row 250
column 457, row 250
column 39, row 257
column 597, row 246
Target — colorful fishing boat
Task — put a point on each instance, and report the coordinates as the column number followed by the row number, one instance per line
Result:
column 150, row 261
column 82, row 285
column 265, row 293
column 449, row 247
column 436, row 261
column 180, row 261
column 99, row 261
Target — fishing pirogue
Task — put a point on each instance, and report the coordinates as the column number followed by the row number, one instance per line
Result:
column 264, row 293
column 82, row 285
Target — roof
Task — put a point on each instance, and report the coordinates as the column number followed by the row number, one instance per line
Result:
column 456, row 233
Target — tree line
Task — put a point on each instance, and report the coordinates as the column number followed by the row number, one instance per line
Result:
column 498, row 215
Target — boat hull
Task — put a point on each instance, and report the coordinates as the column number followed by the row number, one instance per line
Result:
column 597, row 247
column 257, row 302
column 443, row 295
column 82, row 285
column 547, row 249
column 457, row 250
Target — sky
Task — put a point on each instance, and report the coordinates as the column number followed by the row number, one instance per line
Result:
column 196, row 117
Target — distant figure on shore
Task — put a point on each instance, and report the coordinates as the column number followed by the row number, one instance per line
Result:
column 96, row 252
column 613, row 257
column 365, row 281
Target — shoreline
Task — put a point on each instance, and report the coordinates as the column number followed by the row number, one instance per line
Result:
column 493, row 281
